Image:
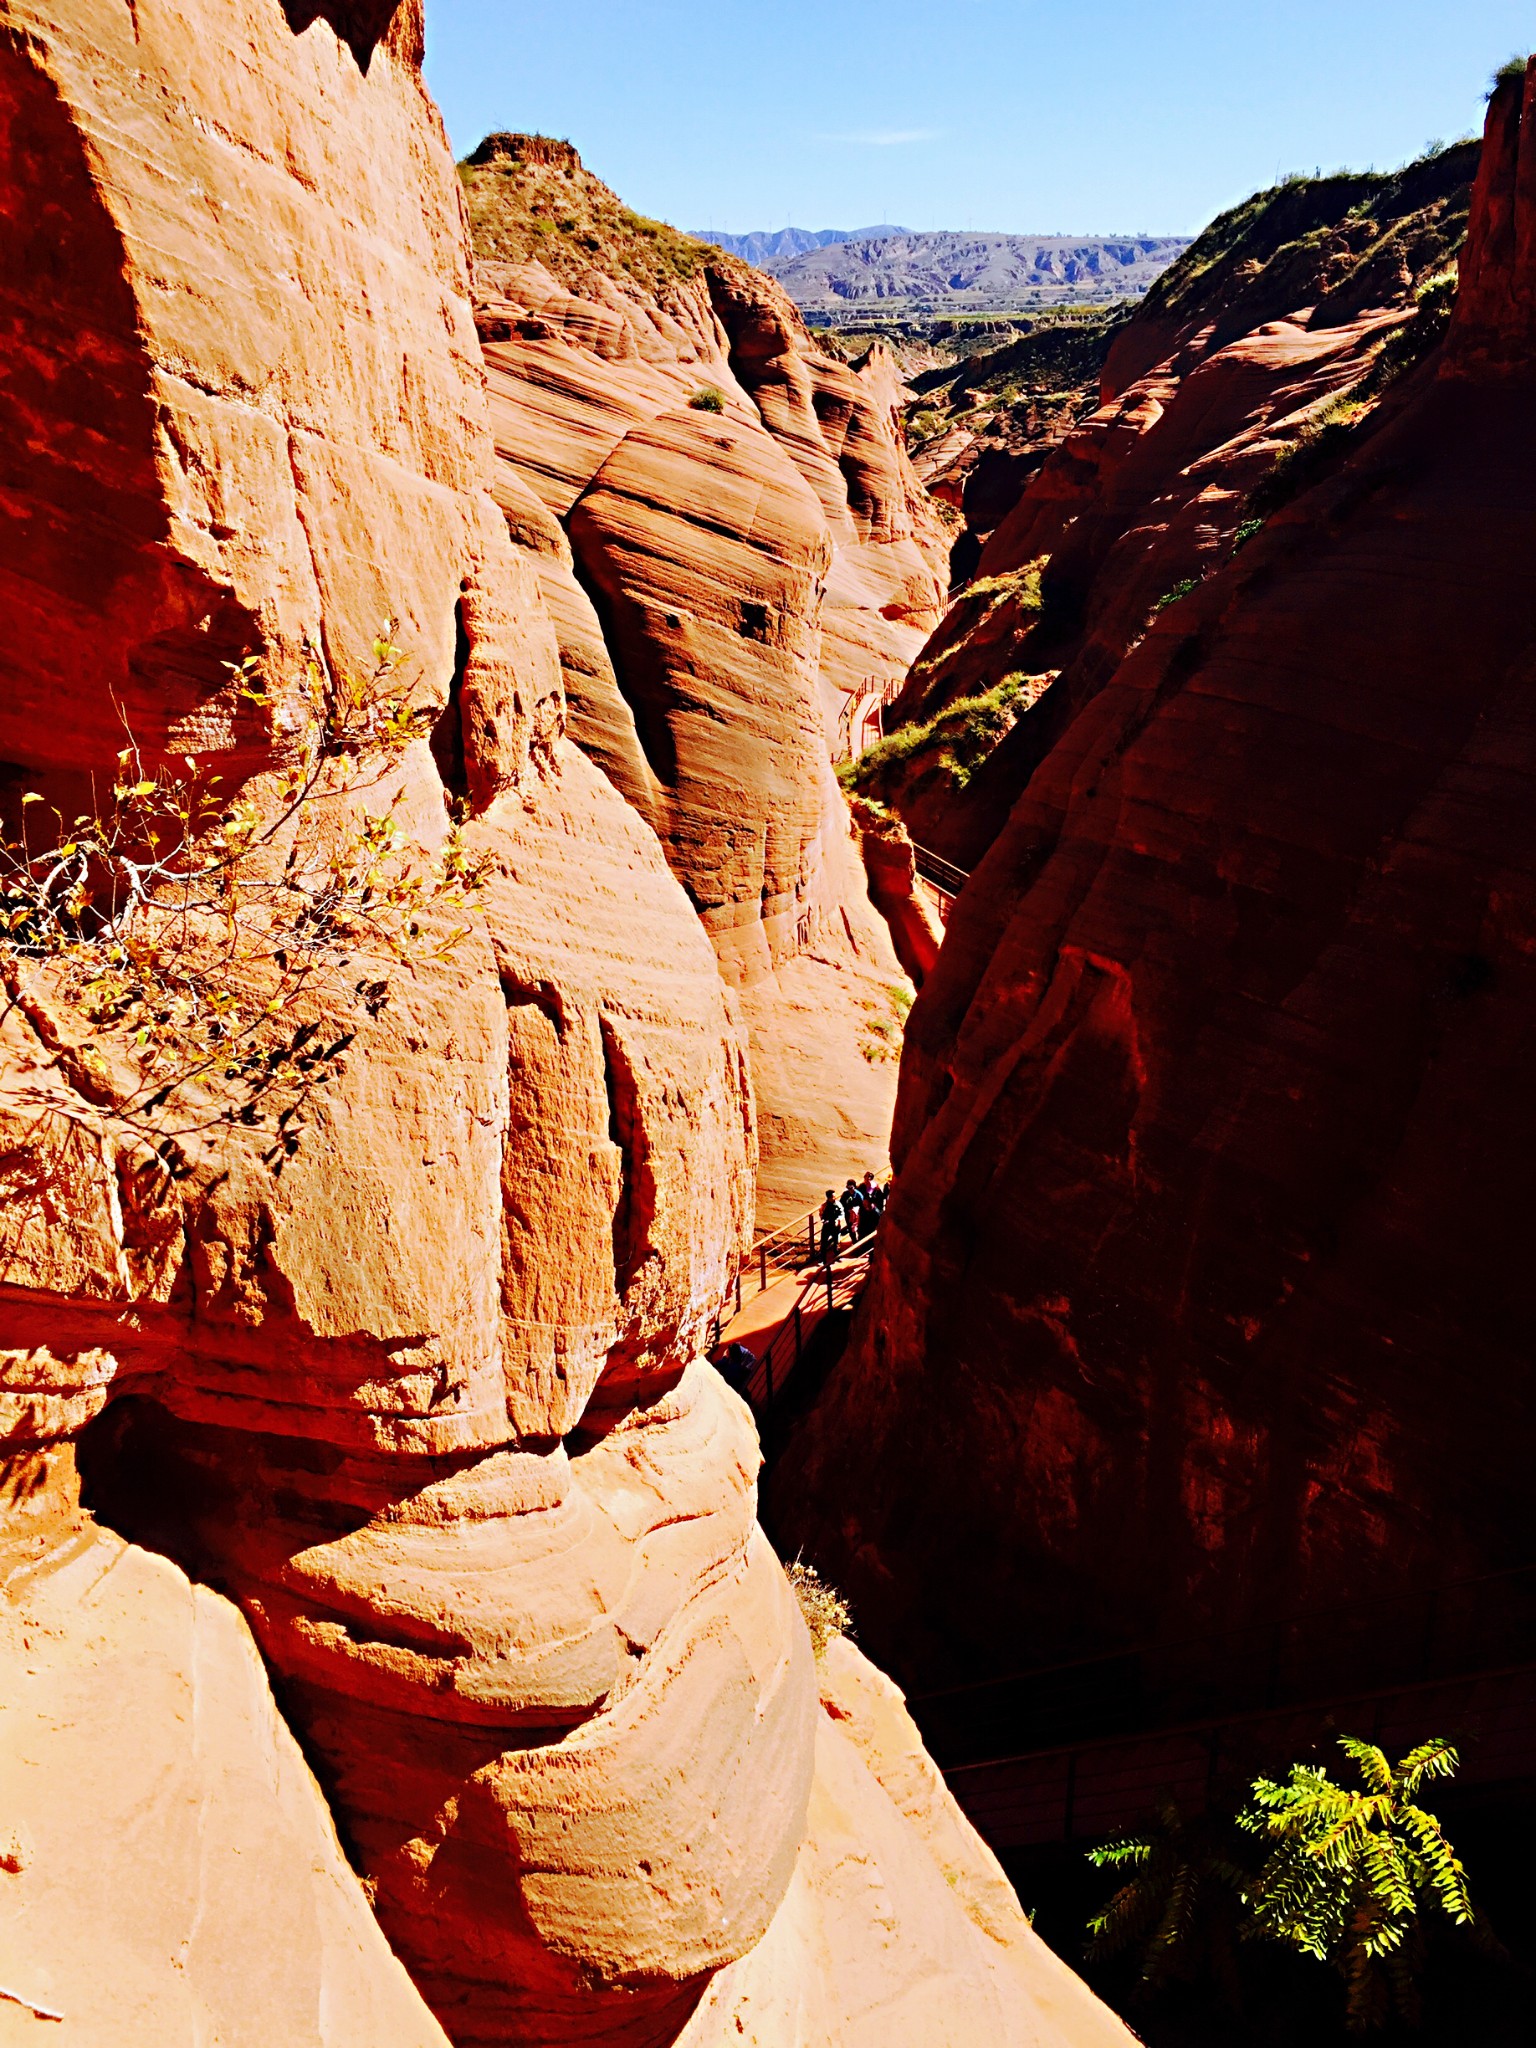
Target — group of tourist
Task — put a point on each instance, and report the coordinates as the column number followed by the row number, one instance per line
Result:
column 852, row 1215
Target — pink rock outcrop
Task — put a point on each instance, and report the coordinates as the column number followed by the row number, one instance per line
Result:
column 930, row 1944
column 424, row 1397
column 169, row 1864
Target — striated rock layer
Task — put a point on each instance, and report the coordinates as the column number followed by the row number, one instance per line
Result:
column 423, row 1397
column 1287, row 330
column 168, row 1858
column 735, row 552
column 1203, row 1293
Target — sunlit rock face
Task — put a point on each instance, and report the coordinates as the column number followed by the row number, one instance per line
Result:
column 1292, row 313
column 416, row 1410
column 734, row 548
column 1204, row 1294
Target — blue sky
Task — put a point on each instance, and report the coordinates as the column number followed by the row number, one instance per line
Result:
column 1038, row 116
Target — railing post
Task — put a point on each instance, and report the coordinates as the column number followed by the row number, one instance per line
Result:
column 738, row 1290
column 810, row 1234
column 762, row 1257
column 829, row 1287
column 797, row 1333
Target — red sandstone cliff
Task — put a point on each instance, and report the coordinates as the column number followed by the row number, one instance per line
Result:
column 422, row 1400
column 1289, row 328
column 745, row 574
column 1205, row 1291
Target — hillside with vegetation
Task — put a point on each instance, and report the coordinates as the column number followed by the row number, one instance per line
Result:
column 1269, row 352
column 531, row 199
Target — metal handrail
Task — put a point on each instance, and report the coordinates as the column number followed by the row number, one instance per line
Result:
column 1392, row 1639
column 773, row 1248
column 1093, row 1785
column 1125, row 1738
column 787, row 1344
column 1304, row 1618
column 942, row 873
column 881, row 691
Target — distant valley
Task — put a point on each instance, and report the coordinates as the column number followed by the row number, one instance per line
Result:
column 835, row 274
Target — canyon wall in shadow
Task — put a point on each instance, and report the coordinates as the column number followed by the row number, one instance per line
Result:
column 1204, row 1293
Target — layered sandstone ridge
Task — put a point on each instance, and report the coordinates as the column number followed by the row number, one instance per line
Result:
column 735, row 551
column 423, row 1399
column 1211, row 1140
column 1295, row 320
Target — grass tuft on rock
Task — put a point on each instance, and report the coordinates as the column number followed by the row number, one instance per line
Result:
column 1508, row 73
column 825, row 1610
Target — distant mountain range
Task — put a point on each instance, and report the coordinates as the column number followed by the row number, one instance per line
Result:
column 767, row 247
column 892, row 269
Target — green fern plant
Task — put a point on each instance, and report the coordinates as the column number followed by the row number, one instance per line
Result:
column 1180, row 1903
column 1355, row 1873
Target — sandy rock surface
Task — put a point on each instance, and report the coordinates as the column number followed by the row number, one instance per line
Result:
column 137, row 1720
column 944, row 1955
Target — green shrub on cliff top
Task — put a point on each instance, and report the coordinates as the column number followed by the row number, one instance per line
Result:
column 529, row 197
column 1511, row 69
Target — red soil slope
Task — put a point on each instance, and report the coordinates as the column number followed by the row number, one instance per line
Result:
column 1291, row 315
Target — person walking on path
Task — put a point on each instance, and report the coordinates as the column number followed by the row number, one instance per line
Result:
column 874, row 1201
column 736, row 1365
column 831, row 1228
column 853, row 1212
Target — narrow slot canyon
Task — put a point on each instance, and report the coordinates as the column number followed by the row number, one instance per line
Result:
column 765, row 1104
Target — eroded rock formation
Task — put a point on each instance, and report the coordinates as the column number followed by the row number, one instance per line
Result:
column 1204, row 1294
column 421, row 1392
column 1288, row 326
column 736, row 553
